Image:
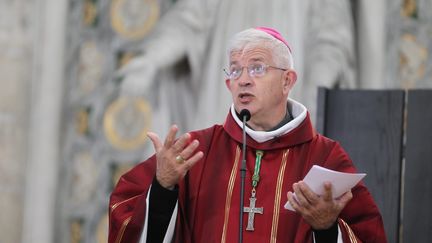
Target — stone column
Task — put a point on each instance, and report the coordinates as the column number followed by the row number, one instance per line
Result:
column 371, row 43
column 44, row 135
column 15, row 62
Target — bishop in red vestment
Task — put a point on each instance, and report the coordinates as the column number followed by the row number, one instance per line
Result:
column 202, row 167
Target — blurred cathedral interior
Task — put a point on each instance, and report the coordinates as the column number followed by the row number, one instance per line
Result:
column 83, row 81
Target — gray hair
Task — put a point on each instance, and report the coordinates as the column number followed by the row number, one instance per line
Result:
column 252, row 38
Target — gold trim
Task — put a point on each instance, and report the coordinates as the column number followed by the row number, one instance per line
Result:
column 276, row 208
column 122, row 230
column 117, row 204
column 229, row 193
column 351, row 234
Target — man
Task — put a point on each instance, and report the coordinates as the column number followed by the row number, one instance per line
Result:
column 189, row 190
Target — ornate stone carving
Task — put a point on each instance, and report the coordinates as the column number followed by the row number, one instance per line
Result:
column 84, row 178
column 90, row 67
column 409, row 8
column 82, row 121
column 90, row 12
column 412, row 61
column 132, row 19
column 126, row 122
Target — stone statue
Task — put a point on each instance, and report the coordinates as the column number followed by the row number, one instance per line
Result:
column 181, row 68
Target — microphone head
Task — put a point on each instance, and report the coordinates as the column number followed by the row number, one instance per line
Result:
column 245, row 114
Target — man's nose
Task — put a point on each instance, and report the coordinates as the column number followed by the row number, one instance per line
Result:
column 244, row 79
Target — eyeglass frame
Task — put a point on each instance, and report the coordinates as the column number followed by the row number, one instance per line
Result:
column 250, row 71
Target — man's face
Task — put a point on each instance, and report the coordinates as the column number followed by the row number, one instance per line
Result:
column 263, row 96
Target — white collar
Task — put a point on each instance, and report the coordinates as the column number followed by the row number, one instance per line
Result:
column 298, row 111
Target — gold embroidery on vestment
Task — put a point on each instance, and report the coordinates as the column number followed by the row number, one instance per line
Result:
column 122, row 230
column 114, row 206
column 351, row 234
column 229, row 194
column 277, row 205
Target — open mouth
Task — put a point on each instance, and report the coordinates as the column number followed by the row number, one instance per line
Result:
column 245, row 97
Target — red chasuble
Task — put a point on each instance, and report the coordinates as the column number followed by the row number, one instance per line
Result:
column 209, row 194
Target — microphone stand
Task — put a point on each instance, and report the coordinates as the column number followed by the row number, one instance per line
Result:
column 243, row 175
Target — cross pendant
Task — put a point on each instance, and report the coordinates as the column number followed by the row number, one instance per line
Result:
column 252, row 210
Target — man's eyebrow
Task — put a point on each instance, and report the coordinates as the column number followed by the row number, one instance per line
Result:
column 255, row 59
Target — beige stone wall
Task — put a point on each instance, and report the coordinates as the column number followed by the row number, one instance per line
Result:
column 15, row 70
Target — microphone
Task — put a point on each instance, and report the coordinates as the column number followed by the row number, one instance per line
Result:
column 245, row 115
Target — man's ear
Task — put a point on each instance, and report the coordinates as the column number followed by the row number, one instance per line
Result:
column 290, row 79
column 228, row 84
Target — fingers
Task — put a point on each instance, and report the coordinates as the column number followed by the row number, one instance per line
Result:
column 174, row 156
column 179, row 145
column 293, row 201
column 301, row 199
column 188, row 151
column 320, row 211
column 169, row 140
column 328, row 195
column 345, row 198
column 304, row 195
column 157, row 144
column 305, row 198
column 309, row 195
column 171, row 143
column 192, row 160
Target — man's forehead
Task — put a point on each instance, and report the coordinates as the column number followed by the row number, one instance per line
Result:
column 250, row 55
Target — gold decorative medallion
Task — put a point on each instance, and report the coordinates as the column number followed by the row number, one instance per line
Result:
column 126, row 122
column 133, row 19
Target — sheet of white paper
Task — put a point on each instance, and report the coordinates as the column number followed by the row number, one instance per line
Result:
column 341, row 182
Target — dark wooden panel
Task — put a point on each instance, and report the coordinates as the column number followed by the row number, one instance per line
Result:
column 417, row 212
column 368, row 124
column 321, row 111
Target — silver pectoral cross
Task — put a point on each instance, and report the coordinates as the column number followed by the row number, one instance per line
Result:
column 252, row 210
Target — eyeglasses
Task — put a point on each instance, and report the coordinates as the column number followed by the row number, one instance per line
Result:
column 255, row 70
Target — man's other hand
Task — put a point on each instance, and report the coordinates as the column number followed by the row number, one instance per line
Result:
column 320, row 211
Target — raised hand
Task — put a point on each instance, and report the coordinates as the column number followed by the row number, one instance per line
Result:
column 321, row 212
column 174, row 157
